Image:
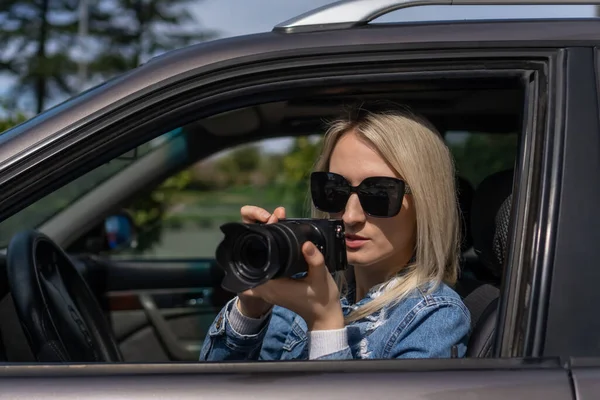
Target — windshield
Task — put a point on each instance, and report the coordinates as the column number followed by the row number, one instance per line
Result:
column 42, row 210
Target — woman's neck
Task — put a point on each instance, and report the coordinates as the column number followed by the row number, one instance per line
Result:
column 367, row 277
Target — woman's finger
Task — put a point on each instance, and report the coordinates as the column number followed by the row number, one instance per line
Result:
column 253, row 214
column 282, row 291
column 315, row 260
column 258, row 292
column 278, row 214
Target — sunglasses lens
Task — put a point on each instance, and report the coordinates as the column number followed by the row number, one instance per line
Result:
column 381, row 196
column 329, row 192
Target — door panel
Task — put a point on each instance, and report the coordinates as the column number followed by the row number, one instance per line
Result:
column 387, row 379
column 161, row 311
column 128, row 274
column 140, row 341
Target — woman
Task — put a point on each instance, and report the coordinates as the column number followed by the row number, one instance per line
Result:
column 402, row 241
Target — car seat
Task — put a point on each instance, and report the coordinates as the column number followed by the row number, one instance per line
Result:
column 490, row 222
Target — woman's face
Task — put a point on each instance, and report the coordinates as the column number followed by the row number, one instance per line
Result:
column 385, row 244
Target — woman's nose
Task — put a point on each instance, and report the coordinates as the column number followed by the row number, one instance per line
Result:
column 353, row 214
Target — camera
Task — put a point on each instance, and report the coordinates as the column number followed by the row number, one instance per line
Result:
column 252, row 254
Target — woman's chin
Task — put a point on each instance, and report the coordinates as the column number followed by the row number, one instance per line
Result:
column 358, row 260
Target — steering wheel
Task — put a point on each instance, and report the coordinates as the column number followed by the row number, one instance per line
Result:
column 59, row 314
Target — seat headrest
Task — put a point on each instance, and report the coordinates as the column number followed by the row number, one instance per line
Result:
column 490, row 216
column 465, row 202
column 500, row 242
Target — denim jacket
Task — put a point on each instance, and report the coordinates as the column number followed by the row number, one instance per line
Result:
column 420, row 326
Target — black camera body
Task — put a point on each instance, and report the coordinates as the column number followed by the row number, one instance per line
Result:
column 252, row 254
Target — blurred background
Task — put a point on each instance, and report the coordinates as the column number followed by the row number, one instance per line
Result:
column 51, row 50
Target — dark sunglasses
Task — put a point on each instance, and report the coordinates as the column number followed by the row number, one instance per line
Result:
column 379, row 196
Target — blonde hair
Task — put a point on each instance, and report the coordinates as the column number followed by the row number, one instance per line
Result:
column 417, row 153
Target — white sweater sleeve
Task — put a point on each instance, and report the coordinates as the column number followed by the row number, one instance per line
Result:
column 245, row 325
column 322, row 343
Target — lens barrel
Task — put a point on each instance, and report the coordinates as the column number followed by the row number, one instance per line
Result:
column 252, row 254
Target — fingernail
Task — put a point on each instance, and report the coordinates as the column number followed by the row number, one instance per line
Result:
column 310, row 250
column 265, row 215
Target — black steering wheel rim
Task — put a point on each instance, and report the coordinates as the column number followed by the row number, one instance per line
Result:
column 59, row 314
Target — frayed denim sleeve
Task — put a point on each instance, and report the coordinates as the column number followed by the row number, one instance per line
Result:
column 344, row 354
column 223, row 343
column 430, row 330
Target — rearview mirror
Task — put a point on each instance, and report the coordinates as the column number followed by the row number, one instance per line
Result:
column 113, row 233
column 119, row 232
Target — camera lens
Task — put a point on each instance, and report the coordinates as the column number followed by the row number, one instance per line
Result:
column 254, row 252
column 251, row 254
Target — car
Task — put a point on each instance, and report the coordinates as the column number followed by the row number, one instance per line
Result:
column 107, row 289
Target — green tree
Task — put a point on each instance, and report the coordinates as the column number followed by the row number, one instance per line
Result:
column 240, row 164
column 271, row 168
column 297, row 165
column 136, row 30
column 12, row 119
column 149, row 210
column 42, row 50
column 37, row 39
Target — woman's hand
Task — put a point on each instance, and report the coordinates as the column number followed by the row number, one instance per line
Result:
column 253, row 214
column 315, row 298
column 251, row 305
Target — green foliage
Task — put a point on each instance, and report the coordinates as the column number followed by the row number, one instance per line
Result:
column 12, row 119
column 149, row 211
column 299, row 161
column 483, row 154
column 238, row 166
column 244, row 176
column 36, row 46
column 39, row 40
column 297, row 165
column 271, row 168
column 153, row 27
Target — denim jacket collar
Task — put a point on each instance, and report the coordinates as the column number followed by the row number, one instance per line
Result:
column 348, row 301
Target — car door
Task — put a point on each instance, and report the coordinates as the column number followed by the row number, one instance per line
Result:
column 219, row 83
column 164, row 320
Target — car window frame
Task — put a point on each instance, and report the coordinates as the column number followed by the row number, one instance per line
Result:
column 132, row 126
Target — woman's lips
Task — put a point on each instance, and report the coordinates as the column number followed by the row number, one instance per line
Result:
column 355, row 241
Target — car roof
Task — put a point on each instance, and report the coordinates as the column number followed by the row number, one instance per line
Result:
column 234, row 52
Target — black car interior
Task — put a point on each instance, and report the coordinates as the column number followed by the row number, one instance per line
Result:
column 490, row 226
column 479, row 105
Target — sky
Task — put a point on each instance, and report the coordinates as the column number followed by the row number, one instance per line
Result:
column 239, row 17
